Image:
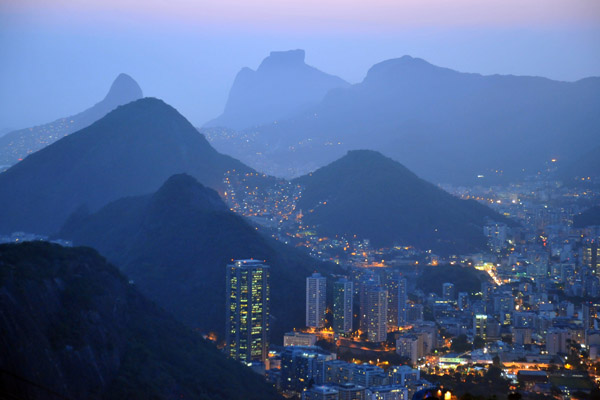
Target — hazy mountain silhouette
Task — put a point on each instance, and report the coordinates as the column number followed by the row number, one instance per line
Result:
column 131, row 151
column 282, row 86
column 585, row 166
column 73, row 327
column 18, row 144
column 175, row 245
column 369, row 195
column 445, row 125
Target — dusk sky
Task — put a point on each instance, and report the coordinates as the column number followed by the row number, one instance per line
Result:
column 60, row 57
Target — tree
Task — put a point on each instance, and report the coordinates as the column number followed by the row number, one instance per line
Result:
column 515, row 396
column 460, row 344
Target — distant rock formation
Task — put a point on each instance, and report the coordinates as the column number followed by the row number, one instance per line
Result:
column 16, row 145
column 282, row 86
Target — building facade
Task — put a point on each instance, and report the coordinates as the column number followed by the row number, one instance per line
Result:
column 247, row 312
column 343, row 292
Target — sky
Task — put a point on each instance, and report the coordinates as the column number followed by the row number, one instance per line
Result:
column 59, row 57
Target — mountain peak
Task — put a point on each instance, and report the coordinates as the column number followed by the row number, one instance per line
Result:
column 124, row 89
column 129, row 152
column 283, row 86
column 182, row 190
column 284, row 59
column 404, row 64
column 372, row 154
column 361, row 164
column 372, row 196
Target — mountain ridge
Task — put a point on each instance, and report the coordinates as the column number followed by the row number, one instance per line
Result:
column 130, row 151
column 374, row 197
column 448, row 126
column 176, row 251
column 93, row 336
column 16, row 145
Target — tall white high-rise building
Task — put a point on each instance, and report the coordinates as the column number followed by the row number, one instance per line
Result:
column 315, row 300
column 342, row 306
column 377, row 314
column 402, row 302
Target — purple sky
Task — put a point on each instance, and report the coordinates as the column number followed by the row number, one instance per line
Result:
column 60, row 57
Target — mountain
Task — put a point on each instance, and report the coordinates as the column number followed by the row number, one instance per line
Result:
column 282, row 86
column 369, row 195
column 130, row 151
column 16, row 145
column 175, row 245
column 585, row 167
column 589, row 217
column 74, row 328
column 445, row 125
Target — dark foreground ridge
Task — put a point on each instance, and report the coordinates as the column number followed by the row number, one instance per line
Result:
column 74, row 328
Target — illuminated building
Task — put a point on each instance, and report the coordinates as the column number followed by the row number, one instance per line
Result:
column 480, row 322
column 448, row 291
column 299, row 339
column 392, row 284
column 394, row 392
column 247, row 314
column 302, row 366
column 397, row 298
column 557, row 341
column 463, row 301
column 403, row 375
column 342, row 306
column 408, row 346
column 351, row 391
column 402, row 302
column 365, row 375
column 376, row 298
column 320, row 393
column 315, row 300
column 591, row 255
column 366, row 283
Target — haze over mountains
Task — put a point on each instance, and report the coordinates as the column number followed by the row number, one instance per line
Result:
column 130, row 151
column 73, row 328
column 445, row 125
column 282, row 86
column 369, row 195
column 18, row 144
column 175, row 244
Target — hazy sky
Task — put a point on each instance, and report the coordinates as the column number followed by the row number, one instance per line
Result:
column 59, row 57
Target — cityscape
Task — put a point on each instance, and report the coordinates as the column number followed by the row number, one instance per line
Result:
column 378, row 335
column 300, row 199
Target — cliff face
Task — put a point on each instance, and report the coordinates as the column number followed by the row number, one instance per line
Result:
column 282, row 87
column 73, row 327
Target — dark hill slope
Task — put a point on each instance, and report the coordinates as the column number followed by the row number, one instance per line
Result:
column 374, row 197
column 582, row 168
column 18, row 144
column 73, row 328
column 131, row 151
column 175, row 245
